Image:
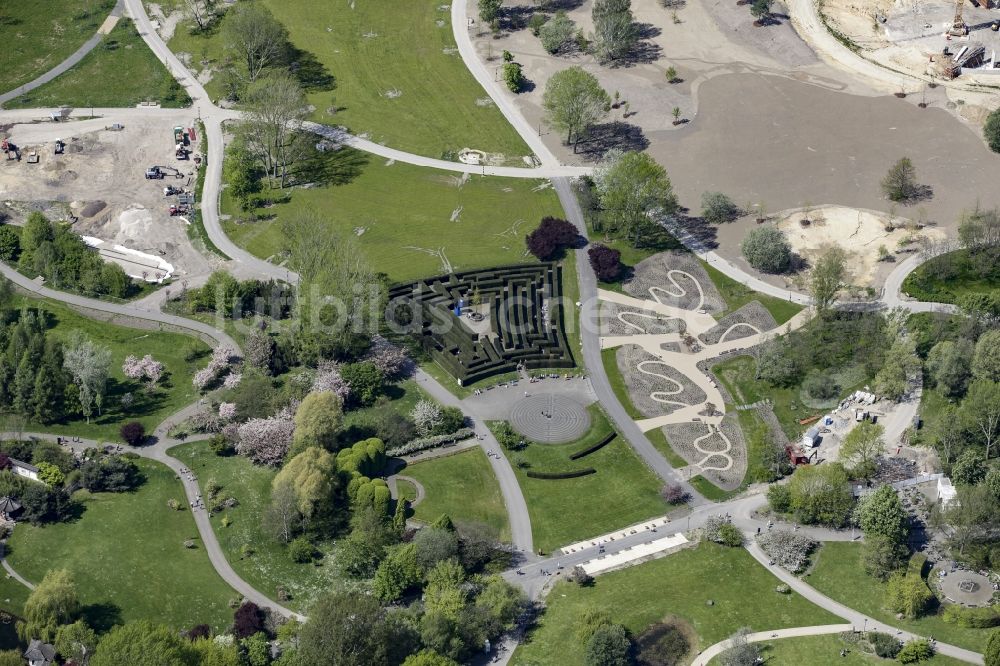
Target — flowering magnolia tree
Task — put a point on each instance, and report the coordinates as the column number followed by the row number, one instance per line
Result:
column 232, row 380
column 266, row 441
column 227, row 411
column 222, row 359
column 426, row 416
column 390, row 359
column 328, row 378
column 146, row 368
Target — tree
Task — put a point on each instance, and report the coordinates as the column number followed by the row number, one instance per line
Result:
column 142, row 642
column 258, row 350
column 435, row 545
column 10, row 244
column 274, row 106
column 398, row 572
column 133, row 432
column 557, row 33
column 344, row 628
column 266, row 441
column 318, row 419
column 827, row 277
column 882, row 556
column 550, row 237
column 301, row 550
column 991, row 655
column 76, row 641
column 740, row 652
column 50, row 474
column 779, row 498
column 901, row 365
column 991, row 130
column 767, row 249
column 489, row 10
column 633, row 191
column 969, row 468
column 11, row 658
column 248, row 620
column 862, row 445
column 980, row 411
column 986, row 361
column 256, row 649
column 282, row 518
column 258, row 39
column 52, row 603
column 821, row 494
column 113, row 474
column 615, row 31
column 513, row 76
column 907, row 594
column 949, row 365
column 761, row 10
column 881, row 513
column 605, row 261
column 573, row 101
column 366, row 382
column 426, row 416
column 900, row 183
column 609, row 645
column 430, row 658
column 90, row 365
column 716, row 207
column 312, row 475
column 973, row 520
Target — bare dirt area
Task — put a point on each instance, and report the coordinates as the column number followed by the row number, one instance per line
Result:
column 100, row 180
column 862, row 234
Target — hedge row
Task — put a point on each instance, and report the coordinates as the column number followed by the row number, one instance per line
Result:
column 422, row 443
column 562, row 475
column 590, row 449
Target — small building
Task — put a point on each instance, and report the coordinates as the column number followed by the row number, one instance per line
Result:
column 946, row 493
column 8, row 507
column 810, row 438
column 24, row 469
column 40, row 654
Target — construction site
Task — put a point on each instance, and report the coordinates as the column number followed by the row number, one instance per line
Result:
column 128, row 188
column 942, row 39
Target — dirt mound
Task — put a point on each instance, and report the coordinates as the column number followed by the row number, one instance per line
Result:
column 92, row 208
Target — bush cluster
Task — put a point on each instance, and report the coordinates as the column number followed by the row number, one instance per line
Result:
column 423, row 443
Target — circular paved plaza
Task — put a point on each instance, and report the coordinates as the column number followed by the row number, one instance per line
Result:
column 967, row 587
column 549, row 418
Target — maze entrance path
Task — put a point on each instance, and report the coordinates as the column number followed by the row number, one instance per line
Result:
column 549, row 418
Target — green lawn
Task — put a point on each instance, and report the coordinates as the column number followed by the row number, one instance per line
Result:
column 712, row 492
column 127, row 555
column 402, row 216
column 737, row 295
column 38, row 36
column 121, row 71
column 947, row 278
column 462, row 486
column 12, row 597
column 269, row 564
column 174, row 392
column 618, row 382
column 681, row 584
column 737, row 375
column 825, row 651
column 839, row 574
column 659, row 440
column 622, row 492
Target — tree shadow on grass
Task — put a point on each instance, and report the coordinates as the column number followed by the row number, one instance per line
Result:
column 101, row 616
column 617, row 134
column 331, row 167
column 310, row 72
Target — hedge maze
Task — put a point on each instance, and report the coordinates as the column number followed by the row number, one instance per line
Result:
column 512, row 316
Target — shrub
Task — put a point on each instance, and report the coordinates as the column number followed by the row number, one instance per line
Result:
column 301, row 550
column 536, row 22
column 551, row 236
column 787, row 549
column 674, row 493
column 562, row 475
column 767, row 250
column 606, row 262
column 973, row 618
column 557, row 33
column 133, row 432
column 717, row 208
column 424, row 443
column 919, row 649
column 365, row 381
column 780, row 498
column 907, row 594
column 730, row 535
column 991, row 131
column 513, row 76
column 247, row 620
column 884, row 645
column 590, row 449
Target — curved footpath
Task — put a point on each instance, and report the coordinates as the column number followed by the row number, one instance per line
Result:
column 712, row 651
column 69, row 62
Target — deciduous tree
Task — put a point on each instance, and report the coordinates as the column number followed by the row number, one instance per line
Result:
column 827, row 277
column 766, row 249
column 257, row 38
column 900, row 183
column 573, row 101
column 634, row 192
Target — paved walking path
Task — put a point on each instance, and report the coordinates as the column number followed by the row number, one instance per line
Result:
column 71, row 61
column 761, row 636
column 394, row 488
column 10, row 570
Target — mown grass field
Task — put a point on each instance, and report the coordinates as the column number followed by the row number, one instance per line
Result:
column 825, row 651
column 947, row 278
column 414, row 222
column 121, row 71
column 623, row 491
column 174, row 391
column 464, row 487
column 737, row 295
column 839, row 573
column 743, row 594
column 37, row 36
column 127, row 555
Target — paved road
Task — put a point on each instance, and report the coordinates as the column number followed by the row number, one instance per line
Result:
column 66, row 64
column 761, row 636
column 513, row 498
column 894, row 297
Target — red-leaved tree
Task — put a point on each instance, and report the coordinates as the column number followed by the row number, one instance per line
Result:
column 552, row 235
column 606, row 262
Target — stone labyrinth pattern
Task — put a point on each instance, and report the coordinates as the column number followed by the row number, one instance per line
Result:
column 550, row 419
column 523, row 319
